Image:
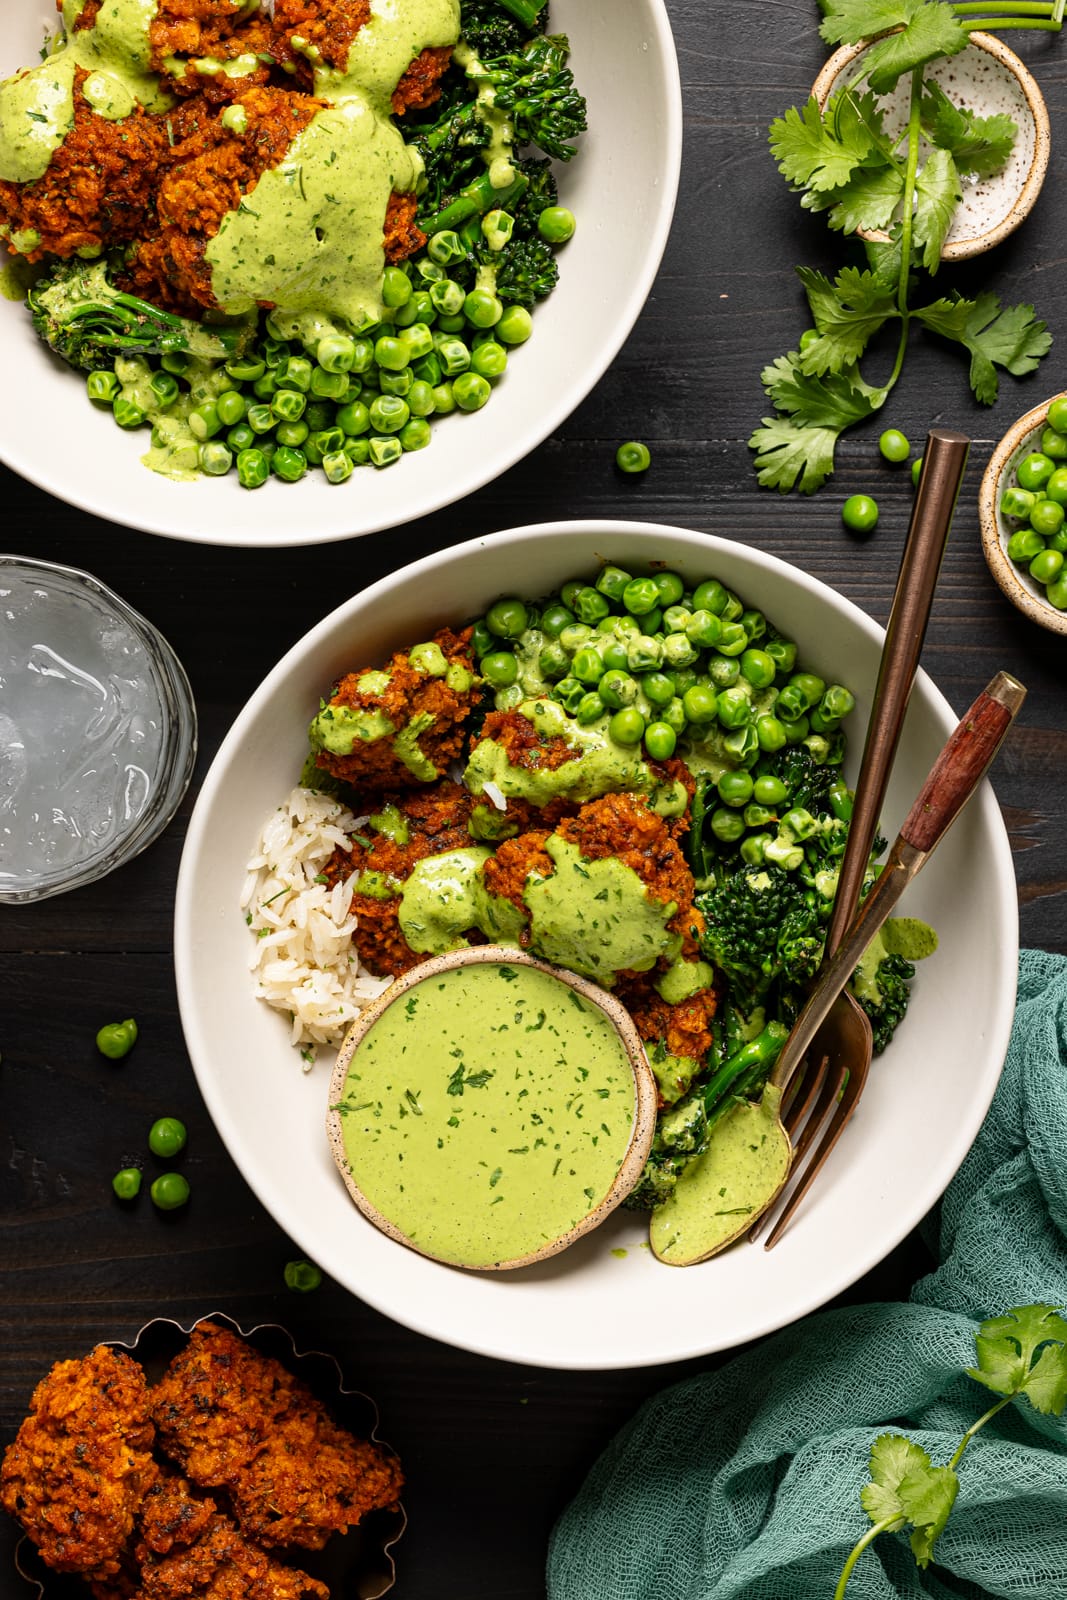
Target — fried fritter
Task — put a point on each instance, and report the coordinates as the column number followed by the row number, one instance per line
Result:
column 98, row 188
column 81, row 1463
column 236, row 1420
column 421, row 84
column 320, row 29
column 409, row 723
column 223, row 1565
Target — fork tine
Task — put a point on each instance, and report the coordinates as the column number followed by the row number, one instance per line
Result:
column 847, row 1089
column 809, row 1086
column 809, row 1119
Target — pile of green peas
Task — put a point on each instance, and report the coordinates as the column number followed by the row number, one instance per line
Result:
column 280, row 408
column 664, row 667
column 1037, row 503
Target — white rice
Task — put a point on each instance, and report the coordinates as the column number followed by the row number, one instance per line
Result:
column 304, row 962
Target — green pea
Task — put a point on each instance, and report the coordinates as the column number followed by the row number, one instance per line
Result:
column 754, row 624
column 860, row 513
column 658, row 688
column 471, row 391
column 1057, row 415
column 798, row 824
column 590, row 707
column 1046, row 566
column 215, row 459
column 770, row 733
column 633, row 457
column 673, row 714
column 612, row 581
column 701, row 704
column 640, row 595
column 723, row 671
column 175, row 361
column 615, row 655
column 555, row 618
column 169, row 1191
column 556, row 224
column 336, row 352
column 1034, row 470
column 894, row 445
column 916, row 471
column 253, row 469
column 166, row 1136
column 1053, row 444
column 246, row 369
column 265, row 388
column 587, row 665
column 419, row 342
column 710, row 596
column 618, row 689
column 569, row 692
column 1056, row 593
column 390, row 352
column 288, row 405
column 733, row 640
column 627, row 726
column 288, row 464
column 420, row 399
column 396, row 287
column 727, row 826
column 354, row 418
column 507, row 618
column 574, row 636
column 660, row 740
column 128, row 414
column 329, row 385
column 127, row 1183
column 1024, row 544
column 837, row 702
column 500, row 668
column 670, row 586
column 757, row 668
column 515, row 325
column 337, row 466
column 416, row 434
column 1059, row 541
column 590, row 605
column 302, row 1276
column 117, row 1039
column 754, row 849
column 643, row 653
column 489, row 360
column 553, row 661
column 757, row 816
column 1016, row 502
column 796, row 730
column 165, row 388
column 388, row 413
column 482, row 309
column 1056, row 486
column 1046, row 518
column 703, row 629
column 783, row 652
column 734, row 707
column 260, row 418
column 768, row 790
column 103, row 387
column 570, row 589
column 293, row 434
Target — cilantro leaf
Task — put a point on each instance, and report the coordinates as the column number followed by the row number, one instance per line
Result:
column 937, row 194
column 867, row 201
column 927, row 29
column 847, row 314
column 978, row 145
column 790, row 455
column 817, row 151
column 906, row 1487
column 1009, row 338
column 797, row 450
column 1007, row 1346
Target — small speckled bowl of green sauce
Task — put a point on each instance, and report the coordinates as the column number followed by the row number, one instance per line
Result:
column 489, row 1109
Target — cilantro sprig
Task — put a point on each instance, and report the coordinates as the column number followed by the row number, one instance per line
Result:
column 1022, row 1353
column 842, row 162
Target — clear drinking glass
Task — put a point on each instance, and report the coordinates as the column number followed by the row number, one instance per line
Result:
column 97, row 730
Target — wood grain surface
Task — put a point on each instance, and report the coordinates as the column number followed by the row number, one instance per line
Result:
column 493, row 1451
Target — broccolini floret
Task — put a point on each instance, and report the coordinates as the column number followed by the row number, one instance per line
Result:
column 884, row 995
column 79, row 313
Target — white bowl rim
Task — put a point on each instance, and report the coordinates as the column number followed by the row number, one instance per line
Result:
column 921, row 1197
column 204, row 524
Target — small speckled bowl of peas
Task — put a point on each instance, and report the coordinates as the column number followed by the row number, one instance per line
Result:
column 1022, row 508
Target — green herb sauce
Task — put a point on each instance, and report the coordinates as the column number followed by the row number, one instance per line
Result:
column 487, row 1112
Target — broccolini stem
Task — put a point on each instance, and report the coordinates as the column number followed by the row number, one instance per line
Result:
column 526, row 11
column 475, row 200
column 744, row 1068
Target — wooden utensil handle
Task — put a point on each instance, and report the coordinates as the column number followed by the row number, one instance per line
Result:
column 963, row 762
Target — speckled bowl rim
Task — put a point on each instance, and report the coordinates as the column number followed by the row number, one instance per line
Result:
column 642, row 1128
column 994, row 531
column 964, row 249
column 25, row 1546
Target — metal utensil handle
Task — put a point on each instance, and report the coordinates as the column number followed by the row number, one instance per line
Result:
column 962, row 762
column 944, row 460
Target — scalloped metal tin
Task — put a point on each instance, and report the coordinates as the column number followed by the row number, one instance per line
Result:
column 358, row 1565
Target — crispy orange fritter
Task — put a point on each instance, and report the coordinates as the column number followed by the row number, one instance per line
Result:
column 212, row 171
column 514, row 861
column 223, row 1565
column 325, row 29
column 81, row 1463
column 685, row 1027
column 98, row 187
column 373, row 765
column 403, row 236
column 190, row 28
column 523, row 745
column 421, row 84
column 236, row 1420
column 625, row 827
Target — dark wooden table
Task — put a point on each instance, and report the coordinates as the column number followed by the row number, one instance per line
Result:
column 492, row 1451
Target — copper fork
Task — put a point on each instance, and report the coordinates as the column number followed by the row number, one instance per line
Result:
column 809, row 1097
column 825, row 1029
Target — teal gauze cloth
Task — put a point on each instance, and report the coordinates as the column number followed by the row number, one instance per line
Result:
column 744, row 1483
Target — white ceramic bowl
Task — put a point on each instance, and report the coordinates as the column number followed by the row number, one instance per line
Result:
column 621, row 187
column 988, row 79
column 605, row 1302
column 1024, row 592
